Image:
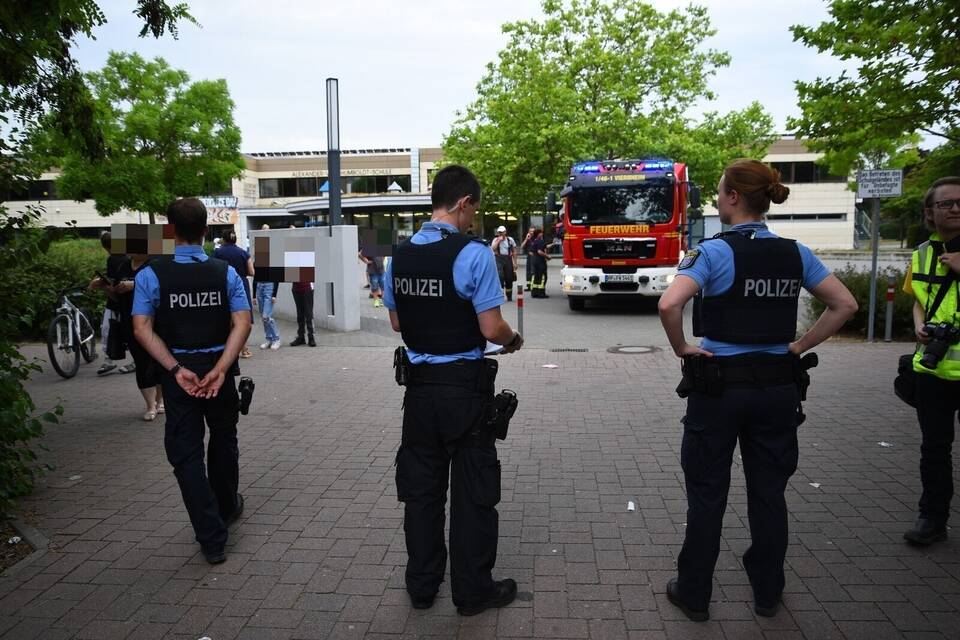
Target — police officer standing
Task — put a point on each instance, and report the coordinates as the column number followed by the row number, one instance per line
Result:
column 444, row 297
column 192, row 315
column 935, row 269
column 741, row 383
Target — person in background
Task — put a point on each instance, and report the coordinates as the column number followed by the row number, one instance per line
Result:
column 265, row 296
column 537, row 253
column 303, row 298
column 148, row 373
column 111, row 310
column 375, row 276
column 505, row 250
column 525, row 247
column 242, row 263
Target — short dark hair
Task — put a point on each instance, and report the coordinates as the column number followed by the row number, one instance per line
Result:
column 452, row 183
column 928, row 197
column 189, row 218
column 105, row 238
column 230, row 236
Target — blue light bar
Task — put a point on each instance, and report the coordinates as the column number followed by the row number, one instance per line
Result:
column 586, row 167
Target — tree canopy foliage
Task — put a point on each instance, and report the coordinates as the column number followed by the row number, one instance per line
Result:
column 163, row 137
column 906, row 81
column 596, row 79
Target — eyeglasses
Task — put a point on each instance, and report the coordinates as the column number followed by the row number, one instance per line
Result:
column 946, row 205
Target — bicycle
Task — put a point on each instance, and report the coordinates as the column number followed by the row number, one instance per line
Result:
column 70, row 335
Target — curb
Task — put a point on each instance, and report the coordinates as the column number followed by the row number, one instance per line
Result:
column 35, row 539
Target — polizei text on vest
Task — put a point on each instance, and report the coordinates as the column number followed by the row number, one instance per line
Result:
column 425, row 287
column 771, row 288
column 196, row 299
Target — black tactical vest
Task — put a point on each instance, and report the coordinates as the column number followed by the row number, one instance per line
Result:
column 434, row 319
column 194, row 310
column 761, row 306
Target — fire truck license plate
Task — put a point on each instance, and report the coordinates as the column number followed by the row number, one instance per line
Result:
column 619, row 277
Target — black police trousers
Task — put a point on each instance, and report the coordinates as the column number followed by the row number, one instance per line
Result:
column 938, row 401
column 304, row 303
column 209, row 493
column 436, row 446
column 764, row 420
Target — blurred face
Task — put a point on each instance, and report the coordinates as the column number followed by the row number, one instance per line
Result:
column 726, row 202
column 946, row 211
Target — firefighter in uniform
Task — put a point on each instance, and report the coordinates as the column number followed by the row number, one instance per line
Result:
column 192, row 315
column 935, row 268
column 742, row 382
column 444, row 297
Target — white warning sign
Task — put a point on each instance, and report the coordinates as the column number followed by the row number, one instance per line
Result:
column 879, row 183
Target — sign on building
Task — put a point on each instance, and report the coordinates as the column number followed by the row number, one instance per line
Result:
column 879, row 183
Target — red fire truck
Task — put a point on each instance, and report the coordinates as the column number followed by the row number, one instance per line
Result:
column 625, row 227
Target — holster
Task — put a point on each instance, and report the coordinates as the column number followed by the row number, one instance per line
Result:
column 504, row 406
column 699, row 375
column 401, row 366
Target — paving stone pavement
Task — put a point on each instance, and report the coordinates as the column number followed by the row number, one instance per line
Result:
column 319, row 551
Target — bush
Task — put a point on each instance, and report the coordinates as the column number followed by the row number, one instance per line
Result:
column 916, row 234
column 858, row 282
column 67, row 263
column 890, row 231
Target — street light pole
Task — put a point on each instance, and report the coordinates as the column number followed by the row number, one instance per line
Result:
column 333, row 150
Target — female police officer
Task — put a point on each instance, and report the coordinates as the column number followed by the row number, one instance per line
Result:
column 742, row 380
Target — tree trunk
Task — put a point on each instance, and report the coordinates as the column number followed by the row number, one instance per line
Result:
column 153, row 218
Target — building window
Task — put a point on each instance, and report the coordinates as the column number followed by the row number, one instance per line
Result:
column 269, row 188
column 307, row 187
column 805, row 173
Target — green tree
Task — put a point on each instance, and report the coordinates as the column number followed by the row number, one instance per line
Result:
column 906, row 79
column 163, row 136
column 40, row 78
column 593, row 79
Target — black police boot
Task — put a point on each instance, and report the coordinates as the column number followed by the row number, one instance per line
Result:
column 310, row 341
column 766, row 612
column 214, row 555
column 422, row 602
column 504, row 592
column 926, row 532
column 298, row 341
column 236, row 512
column 673, row 595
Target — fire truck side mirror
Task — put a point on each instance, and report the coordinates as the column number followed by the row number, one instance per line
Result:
column 693, row 201
column 552, row 204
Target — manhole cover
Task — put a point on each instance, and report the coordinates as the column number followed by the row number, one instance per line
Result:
column 568, row 350
column 634, row 350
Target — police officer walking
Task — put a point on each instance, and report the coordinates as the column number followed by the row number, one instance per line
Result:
column 741, row 382
column 192, row 315
column 444, row 297
column 935, row 269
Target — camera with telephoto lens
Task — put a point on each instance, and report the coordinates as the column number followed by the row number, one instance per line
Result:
column 942, row 336
column 246, row 388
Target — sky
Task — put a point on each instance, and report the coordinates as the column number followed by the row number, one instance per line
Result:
column 406, row 67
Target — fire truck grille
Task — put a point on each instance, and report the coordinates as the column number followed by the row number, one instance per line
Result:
column 615, row 249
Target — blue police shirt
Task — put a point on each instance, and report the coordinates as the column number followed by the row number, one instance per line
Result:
column 146, row 292
column 475, row 279
column 713, row 272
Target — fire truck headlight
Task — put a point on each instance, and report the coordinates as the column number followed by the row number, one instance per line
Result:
column 669, row 278
column 569, row 279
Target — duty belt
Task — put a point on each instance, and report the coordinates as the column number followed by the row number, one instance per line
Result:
column 477, row 375
column 754, row 370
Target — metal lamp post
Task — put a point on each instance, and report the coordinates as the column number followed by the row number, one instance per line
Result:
column 333, row 149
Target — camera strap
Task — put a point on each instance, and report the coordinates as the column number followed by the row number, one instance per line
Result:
column 945, row 282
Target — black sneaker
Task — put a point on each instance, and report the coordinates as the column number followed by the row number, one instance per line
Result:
column 214, row 556
column 422, row 602
column 673, row 595
column 926, row 532
column 311, row 342
column 298, row 341
column 236, row 512
column 504, row 593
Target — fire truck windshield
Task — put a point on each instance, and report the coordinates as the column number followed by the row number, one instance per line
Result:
column 649, row 203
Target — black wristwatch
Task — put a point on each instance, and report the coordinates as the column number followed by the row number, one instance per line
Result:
column 173, row 370
column 516, row 337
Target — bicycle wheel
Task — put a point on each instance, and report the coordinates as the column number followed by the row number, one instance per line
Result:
column 64, row 357
column 88, row 339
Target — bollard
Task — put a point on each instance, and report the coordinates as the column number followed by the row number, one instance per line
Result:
column 891, row 290
column 520, row 309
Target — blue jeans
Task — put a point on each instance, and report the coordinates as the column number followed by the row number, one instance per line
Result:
column 265, row 302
